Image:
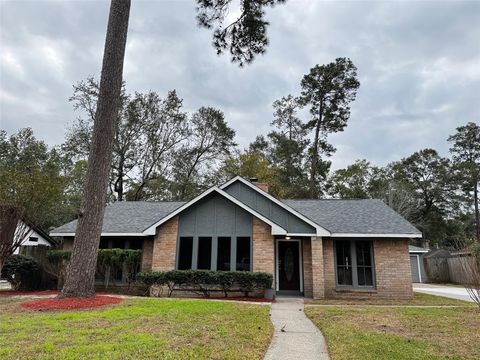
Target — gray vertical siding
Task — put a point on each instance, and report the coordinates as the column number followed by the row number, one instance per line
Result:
column 215, row 216
column 269, row 209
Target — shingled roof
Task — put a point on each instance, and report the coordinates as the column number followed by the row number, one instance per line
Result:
column 127, row 217
column 338, row 216
column 356, row 216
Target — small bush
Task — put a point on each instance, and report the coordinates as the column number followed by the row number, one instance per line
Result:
column 205, row 281
column 22, row 272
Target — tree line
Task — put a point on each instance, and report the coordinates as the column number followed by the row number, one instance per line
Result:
column 162, row 152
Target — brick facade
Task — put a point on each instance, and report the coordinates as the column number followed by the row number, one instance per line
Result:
column 307, row 268
column 318, row 277
column 165, row 246
column 263, row 247
column 147, row 254
column 392, row 271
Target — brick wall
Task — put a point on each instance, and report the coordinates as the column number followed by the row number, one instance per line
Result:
column 392, row 271
column 165, row 246
column 318, row 277
column 263, row 248
column 147, row 254
column 307, row 268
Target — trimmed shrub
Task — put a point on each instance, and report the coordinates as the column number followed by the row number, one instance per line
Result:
column 22, row 272
column 206, row 281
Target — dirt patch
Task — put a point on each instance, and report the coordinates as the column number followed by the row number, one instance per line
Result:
column 53, row 304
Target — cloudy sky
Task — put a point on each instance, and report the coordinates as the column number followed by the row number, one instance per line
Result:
column 418, row 63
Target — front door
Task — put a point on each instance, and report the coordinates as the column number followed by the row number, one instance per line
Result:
column 289, row 266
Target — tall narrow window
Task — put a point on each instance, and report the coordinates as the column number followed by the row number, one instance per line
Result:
column 204, row 253
column 223, row 253
column 243, row 253
column 344, row 263
column 185, row 253
column 364, row 263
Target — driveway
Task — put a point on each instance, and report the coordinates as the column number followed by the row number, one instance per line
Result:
column 454, row 292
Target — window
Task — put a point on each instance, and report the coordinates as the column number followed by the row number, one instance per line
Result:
column 354, row 263
column 204, row 253
column 344, row 263
column 243, row 253
column 364, row 263
column 185, row 253
column 33, row 239
column 223, row 253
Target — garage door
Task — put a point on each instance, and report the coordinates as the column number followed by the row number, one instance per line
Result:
column 415, row 269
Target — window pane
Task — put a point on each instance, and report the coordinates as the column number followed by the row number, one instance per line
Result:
column 185, row 253
column 343, row 253
column 364, row 263
column 204, row 253
column 243, row 254
column 365, row 277
column 344, row 263
column 363, row 253
column 223, row 253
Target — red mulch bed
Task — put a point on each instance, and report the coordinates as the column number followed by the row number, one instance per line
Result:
column 19, row 292
column 70, row 303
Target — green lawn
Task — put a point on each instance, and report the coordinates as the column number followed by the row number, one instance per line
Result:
column 419, row 299
column 382, row 332
column 137, row 329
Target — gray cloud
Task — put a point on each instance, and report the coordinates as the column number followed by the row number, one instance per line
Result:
column 418, row 62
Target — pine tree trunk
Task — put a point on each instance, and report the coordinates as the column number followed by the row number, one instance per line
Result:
column 313, row 170
column 80, row 279
column 477, row 215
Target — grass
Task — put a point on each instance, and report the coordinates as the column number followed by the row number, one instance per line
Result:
column 400, row 332
column 419, row 299
column 137, row 329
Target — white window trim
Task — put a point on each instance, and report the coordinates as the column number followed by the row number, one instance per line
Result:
column 320, row 230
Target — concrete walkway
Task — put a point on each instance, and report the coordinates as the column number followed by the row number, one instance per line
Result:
column 295, row 335
column 454, row 292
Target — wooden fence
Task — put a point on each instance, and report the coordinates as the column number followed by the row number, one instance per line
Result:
column 456, row 270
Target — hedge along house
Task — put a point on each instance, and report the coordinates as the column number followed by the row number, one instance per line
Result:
column 315, row 248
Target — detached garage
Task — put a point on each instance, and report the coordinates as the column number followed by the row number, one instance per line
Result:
column 416, row 263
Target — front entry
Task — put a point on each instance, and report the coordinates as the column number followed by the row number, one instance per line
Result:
column 289, row 266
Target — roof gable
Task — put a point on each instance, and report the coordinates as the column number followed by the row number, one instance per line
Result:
column 293, row 221
column 276, row 229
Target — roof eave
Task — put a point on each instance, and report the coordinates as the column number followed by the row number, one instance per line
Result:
column 378, row 235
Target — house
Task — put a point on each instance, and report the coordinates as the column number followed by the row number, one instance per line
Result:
column 31, row 236
column 417, row 264
column 315, row 248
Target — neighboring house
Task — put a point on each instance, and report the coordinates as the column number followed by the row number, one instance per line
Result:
column 318, row 248
column 32, row 236
column 417, row 264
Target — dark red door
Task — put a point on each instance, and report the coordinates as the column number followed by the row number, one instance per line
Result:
column 289, row 266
